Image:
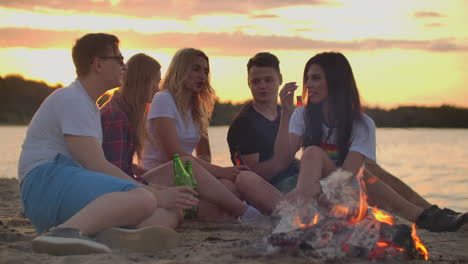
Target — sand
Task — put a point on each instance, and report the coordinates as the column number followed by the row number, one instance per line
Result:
column 200, row 243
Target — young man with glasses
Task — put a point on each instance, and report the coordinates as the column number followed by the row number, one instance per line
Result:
column 68, row 187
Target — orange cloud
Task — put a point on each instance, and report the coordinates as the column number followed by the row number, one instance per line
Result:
column 433, row 25
column 149, row 8
column 425, row 14
column 265, row 16
column 235, row 44
column 37, row 38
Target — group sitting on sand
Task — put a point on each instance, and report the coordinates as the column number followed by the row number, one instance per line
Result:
column 83, row 192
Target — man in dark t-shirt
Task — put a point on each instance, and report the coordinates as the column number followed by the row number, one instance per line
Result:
column 252, row 133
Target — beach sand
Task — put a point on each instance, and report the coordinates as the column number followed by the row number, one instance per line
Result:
column 200, row 243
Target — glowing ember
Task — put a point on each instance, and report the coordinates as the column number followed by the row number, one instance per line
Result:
column 372, row 180
column 382, row 217
column 340, row 211
column 298, row 222
column 417, row 243
column 382, row 244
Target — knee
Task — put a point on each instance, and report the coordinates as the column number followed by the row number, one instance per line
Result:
column 145, row 201
column 246, row 180
column 312, row 152
column 231, row 186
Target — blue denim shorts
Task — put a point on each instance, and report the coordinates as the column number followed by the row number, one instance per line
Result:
column 55, row 191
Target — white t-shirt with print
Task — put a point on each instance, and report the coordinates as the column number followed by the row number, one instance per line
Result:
column 362, row 134
column 68, row 111
column 188, row 133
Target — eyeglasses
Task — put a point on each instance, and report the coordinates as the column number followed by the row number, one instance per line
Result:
column 119, row 59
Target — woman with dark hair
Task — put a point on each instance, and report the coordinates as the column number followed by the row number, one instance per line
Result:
column 331, row 127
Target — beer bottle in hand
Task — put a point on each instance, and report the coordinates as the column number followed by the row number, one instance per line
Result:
column 188, row 169
column 182, row 177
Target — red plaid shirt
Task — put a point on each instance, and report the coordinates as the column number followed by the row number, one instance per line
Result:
column 118, row 140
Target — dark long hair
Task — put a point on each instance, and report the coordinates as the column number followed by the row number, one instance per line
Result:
column 344, row 105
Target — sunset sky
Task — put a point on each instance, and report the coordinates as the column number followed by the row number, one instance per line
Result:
column 402, row 52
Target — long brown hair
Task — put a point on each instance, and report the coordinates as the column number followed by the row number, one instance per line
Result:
column 344, row 105
column 136, row 93
column 201, row 103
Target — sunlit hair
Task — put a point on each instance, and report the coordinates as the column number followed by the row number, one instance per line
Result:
column 344, row 105
column 136, row 93
column 90, row 46
column 263, row 59
column 201, row 103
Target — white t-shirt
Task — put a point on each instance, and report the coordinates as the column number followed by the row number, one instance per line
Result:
column 188, row 133
column 362, row 135
column 67, row 110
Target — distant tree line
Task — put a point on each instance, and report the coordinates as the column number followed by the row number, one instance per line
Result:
column 412, row 116
column 20, row 98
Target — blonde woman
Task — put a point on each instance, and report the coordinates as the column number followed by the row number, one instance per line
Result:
column 178, row 123
column 124, row 131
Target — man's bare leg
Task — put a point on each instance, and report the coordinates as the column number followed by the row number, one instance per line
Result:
column 128, row 208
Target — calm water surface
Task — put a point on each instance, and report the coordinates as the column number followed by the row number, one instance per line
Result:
column 432, row 161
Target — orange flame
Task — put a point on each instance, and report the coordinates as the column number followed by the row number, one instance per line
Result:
column 362, row 212
column 418, row 244
column 298, row 222
column 382, row 217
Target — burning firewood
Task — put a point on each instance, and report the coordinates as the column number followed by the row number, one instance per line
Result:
column 347, row 229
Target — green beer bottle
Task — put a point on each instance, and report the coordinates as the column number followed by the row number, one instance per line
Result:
column 180, row 175
column 181, row 178
column 191, row 213
column 188, row 169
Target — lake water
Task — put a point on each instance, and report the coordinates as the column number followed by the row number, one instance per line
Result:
column 432, row 161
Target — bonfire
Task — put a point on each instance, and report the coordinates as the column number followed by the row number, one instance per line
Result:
column 350, row 229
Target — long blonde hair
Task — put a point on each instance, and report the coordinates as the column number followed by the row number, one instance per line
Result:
column 201, row 103
column 136, row 93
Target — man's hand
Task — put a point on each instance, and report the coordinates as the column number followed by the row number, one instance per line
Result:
column 180, row 197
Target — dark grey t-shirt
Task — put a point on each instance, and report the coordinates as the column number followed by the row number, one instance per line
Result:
column 250, row 132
